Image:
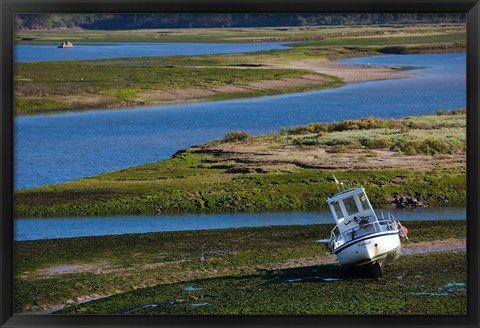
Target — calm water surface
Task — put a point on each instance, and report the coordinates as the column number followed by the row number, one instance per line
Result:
column 85, row 50
column 57, row 148
column 33, row 229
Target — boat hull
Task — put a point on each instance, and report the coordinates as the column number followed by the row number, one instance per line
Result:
column 379, row 247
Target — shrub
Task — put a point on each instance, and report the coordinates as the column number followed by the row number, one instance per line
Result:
column 235, row 136
column 375, row 143
column 433, row 146
column 403, row 145
column 364, row 124
column 428, row 146
column 310, row 141
column 459, row 111
column 321, row 134
column 297, row 141
column 309, row 129
column 420, row 125
column 361, row 124
column 409, row 150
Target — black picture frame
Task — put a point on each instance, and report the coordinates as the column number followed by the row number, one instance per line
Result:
column 9, row 8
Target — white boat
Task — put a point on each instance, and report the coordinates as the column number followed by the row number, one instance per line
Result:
column 360, row 238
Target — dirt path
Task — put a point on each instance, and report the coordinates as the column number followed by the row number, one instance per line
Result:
column 409, row 248
column 433, row 246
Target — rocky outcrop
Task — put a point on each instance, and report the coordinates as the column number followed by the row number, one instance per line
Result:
column 66, row 44
column 408, row 201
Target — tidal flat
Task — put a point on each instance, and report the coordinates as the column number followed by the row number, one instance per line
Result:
column 278, row 269
column 421, row 284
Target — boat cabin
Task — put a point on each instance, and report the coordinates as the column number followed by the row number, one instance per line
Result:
column 352, row 211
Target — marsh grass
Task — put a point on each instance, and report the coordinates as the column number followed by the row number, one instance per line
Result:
column 226, row 35
column 197, row 181
column 382, row 41
column 418, row 284
column 426, row 134
column 173, row 260
column 124, row 82
column 207, row 189
column 70, row 84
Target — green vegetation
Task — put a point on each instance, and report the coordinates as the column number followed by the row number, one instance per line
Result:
column 224, row 35
column 387, row 41
column 66, row 271
column 114, row 83
column 404, row 291
column 197, row 187
column 208, row 179
column 411, row 135
column 149, row 21
column 235, row 136
column 148, row 273
column 67, row 85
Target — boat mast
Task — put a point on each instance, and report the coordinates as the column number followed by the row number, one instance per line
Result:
column 338, row 184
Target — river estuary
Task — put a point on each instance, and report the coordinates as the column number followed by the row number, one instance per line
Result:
column 62, row 147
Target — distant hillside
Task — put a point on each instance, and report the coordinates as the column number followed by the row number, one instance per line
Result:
column 150, row 21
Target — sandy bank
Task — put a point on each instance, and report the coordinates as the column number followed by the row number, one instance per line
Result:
column 236, row 78
column 347, row 72
column 307, row 81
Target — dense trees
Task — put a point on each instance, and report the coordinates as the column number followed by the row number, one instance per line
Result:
column 137, row 21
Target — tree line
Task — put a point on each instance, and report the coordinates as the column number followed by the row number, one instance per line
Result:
column 150, row 21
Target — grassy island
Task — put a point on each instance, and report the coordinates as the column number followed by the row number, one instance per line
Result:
column 129, row 82
column 417, row 156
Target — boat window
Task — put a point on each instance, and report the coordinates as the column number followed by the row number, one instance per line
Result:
column 350, row 205
column 338, row 211
column 363, row 201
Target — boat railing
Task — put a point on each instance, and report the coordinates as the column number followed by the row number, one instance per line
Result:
column 388, row 224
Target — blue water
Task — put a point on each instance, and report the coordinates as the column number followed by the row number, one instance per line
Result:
column 84, row 50
column 34, row 229
column 57, row 148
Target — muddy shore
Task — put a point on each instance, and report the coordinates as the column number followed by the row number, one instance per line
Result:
column 55, row 274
